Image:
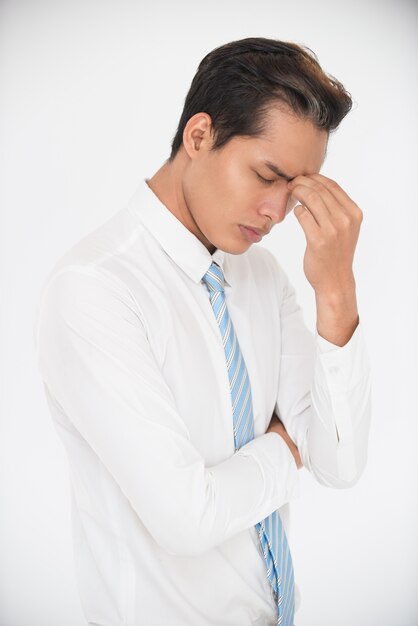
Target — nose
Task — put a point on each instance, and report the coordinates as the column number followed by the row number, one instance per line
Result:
column 278, row 206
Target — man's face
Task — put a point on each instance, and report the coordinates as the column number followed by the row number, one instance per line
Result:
column 224, row 191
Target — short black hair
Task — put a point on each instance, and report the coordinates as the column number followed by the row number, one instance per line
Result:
column 237, row 83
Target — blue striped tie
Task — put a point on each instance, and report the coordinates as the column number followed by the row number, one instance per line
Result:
column 270, row 530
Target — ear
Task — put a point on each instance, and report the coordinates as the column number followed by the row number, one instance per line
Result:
column 197, row 135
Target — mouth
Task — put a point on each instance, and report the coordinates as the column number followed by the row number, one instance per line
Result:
column 253, row 235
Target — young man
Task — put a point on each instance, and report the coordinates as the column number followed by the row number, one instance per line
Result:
column 179, row 372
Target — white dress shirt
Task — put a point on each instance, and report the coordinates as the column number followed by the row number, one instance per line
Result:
column 134, row 371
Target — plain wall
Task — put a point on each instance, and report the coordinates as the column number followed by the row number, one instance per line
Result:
column 91, row 94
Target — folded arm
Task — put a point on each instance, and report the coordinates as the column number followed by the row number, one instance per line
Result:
column 96, row 361
column 324, row 396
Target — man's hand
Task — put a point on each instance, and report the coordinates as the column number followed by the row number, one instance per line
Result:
column 276, row 426
column 331, row 223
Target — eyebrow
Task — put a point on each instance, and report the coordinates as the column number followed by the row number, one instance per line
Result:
column 278, row 171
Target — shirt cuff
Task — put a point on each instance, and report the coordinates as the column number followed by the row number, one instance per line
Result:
column 343, row 373
column 342, row 367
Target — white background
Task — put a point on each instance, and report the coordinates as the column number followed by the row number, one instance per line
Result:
column 91, row 94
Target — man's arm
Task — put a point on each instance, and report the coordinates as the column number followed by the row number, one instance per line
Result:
column 325, row 391
column 324, row 396
column 331, row 223
column 96, row 361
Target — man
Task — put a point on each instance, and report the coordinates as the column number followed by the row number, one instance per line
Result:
column 179, row 372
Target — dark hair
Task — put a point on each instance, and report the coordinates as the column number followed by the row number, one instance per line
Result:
column 238, row 82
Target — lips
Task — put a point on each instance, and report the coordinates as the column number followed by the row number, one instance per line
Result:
column 259, row 231
column 251, row 234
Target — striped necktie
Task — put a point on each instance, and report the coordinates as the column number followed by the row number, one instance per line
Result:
column 270, row 530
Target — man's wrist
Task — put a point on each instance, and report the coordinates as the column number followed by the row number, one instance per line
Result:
column 337, row 316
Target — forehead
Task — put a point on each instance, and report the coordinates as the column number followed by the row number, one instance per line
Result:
column 295, row 145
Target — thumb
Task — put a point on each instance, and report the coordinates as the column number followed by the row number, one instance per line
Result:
column 299, row 210
column 306, row 220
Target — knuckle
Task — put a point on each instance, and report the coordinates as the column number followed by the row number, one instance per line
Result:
column 312, row 195
column 320, row 243
column 346, row 221
column 333, row 232
column 331, row 229
column 358, row 214
column 333, row 185
column 317, row 186
column 355, row 210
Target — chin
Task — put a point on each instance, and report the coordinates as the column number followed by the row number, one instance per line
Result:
column 233, row 247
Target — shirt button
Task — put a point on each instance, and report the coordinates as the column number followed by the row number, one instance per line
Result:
column 333, row 369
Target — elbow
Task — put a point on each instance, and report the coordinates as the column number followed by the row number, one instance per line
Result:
column 351, row 478
column 351, row 463
column 334, row 481
column 346, row 482
column 347, row 473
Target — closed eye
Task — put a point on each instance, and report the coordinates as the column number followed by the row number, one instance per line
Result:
column 267, row 181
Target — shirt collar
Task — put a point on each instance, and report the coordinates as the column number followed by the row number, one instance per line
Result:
column 184, row 248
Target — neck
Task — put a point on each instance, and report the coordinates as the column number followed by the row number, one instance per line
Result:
column 167, row 184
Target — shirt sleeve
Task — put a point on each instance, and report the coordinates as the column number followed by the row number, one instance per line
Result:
column 96, row 361
column 324, row 396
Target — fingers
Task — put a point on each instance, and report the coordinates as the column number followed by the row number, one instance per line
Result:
column 312, row 200
column 315, row 197
column 335, row 190
column 307, row 221
column 316, row 191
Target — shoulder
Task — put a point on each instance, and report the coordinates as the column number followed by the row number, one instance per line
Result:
column 109, row 240
column 90, row 269
column 84, row 289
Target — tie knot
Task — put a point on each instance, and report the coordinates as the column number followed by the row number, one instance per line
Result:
column 214, row 278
